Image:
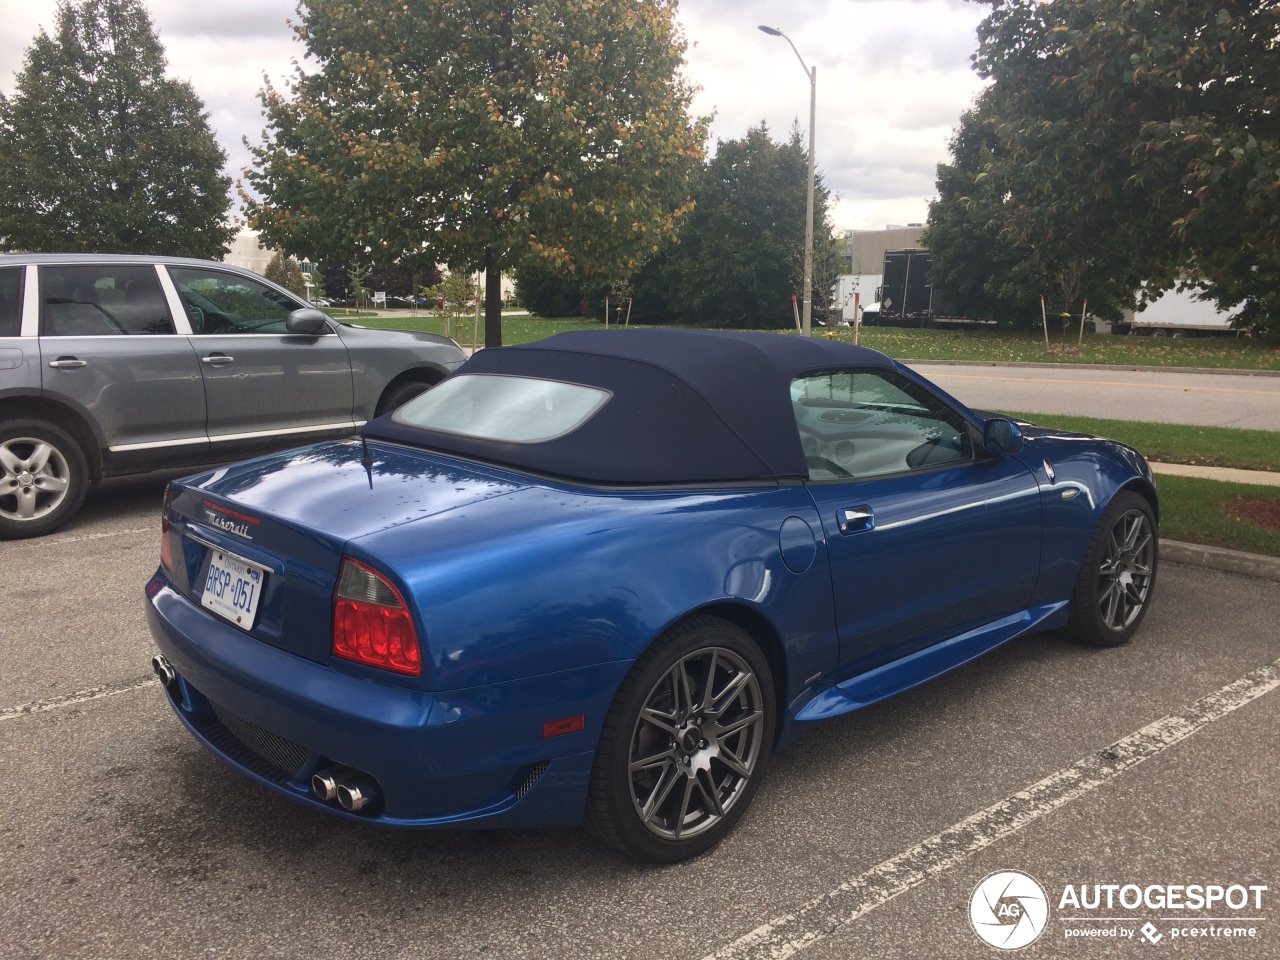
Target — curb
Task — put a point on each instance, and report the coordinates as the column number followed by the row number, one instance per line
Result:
column 1220, row 558
column 1219, row 371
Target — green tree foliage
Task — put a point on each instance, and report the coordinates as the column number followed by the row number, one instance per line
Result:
column 286, row 272
column 99, row 151
column 740, row 255
column 454, row 295
column 481, row 133
column 1134, row 141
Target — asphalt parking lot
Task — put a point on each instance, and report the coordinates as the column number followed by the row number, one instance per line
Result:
column 120, row 837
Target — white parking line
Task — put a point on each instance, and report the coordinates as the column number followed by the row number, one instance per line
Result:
column 788, row 934
column 46, row 542
column 71, row 699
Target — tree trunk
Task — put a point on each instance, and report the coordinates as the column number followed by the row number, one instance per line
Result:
column 492, row 300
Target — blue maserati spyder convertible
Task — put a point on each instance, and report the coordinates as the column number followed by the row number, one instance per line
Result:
column 604, row 576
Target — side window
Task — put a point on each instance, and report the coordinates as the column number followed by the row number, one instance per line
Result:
column 11, row 301
column 857, row 424
column 221, row 303
column 102, row 301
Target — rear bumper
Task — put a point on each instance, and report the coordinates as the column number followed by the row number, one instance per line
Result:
column 474, row 757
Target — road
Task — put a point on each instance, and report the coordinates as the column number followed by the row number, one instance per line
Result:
column 1167, row 396
column 121, row 838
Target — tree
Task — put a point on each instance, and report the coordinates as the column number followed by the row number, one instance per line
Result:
column 741, row 256
column 481, row 133
column 99, row 151
column 1139, row 141
column 286, row 272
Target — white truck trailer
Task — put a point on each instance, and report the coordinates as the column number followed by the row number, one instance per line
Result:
column 1178, row 313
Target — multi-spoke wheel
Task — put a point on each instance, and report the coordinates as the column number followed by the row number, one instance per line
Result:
column 43, row 478
column 1118, row 575
column 685, row 744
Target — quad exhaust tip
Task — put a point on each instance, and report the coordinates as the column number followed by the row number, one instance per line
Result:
column 352, row 791
column 325, row 785
column 163, row 669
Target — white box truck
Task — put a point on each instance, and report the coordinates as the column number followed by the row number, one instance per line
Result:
column 1178, row 313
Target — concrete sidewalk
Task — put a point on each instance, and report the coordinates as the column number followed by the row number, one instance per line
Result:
column 1225, row 474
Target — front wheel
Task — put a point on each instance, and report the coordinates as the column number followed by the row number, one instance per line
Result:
column 1118, row 575
column 43, row 478
column 685, row 744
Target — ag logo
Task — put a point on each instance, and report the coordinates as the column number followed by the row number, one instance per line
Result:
column 1009, row 910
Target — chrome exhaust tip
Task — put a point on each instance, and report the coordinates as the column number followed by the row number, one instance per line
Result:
column 163, row 669
column 358, row 794
column 325, row 785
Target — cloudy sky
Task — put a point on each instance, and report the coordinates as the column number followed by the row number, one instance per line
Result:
column 893, row 79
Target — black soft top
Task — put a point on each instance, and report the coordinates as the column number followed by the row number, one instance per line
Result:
column 688, row 406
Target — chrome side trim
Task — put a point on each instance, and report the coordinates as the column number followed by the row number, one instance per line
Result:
column 157, row 444
column 315, row 428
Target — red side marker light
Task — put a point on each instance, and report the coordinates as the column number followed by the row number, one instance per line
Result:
column 558, row 728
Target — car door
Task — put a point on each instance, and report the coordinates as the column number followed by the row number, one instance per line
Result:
column 109, row 348
column 927, row 537
column 259, row 379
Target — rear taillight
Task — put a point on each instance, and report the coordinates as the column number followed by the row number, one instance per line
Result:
column 166, row 544
column 371, row 622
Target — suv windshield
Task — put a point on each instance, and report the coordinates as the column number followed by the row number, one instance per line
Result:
column 504, row 409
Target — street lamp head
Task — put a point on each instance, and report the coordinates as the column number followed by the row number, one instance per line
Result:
column 771, row 31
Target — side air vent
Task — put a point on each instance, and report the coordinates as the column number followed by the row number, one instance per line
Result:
column 533, row 775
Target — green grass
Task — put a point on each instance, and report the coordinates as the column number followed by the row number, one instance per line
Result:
column 515, row 330
column 1010, row 347
column 907, row 344
column 1198, row 511
column 1176, row 443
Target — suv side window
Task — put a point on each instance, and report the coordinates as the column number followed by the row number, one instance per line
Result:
column 11, row 301
column 102, row 301
column 222, row 303
column 856, row 424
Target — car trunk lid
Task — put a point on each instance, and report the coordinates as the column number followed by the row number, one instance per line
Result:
column 268, row 535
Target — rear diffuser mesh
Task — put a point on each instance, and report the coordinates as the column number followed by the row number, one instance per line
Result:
column 278, row 759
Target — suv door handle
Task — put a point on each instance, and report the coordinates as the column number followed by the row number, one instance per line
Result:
column 68, row 363
column 216, row 359
column 855, row 519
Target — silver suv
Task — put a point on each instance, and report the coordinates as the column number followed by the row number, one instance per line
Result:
column 115, row 364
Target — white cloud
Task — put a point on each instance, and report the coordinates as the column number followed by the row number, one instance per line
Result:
column 893, row 79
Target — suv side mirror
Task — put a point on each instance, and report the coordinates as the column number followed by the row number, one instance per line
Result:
column 1001, row 436
column 306, row 320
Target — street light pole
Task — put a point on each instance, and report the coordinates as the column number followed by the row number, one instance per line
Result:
column 806, row 320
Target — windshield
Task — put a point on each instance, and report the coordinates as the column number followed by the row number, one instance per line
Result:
column 504, row 409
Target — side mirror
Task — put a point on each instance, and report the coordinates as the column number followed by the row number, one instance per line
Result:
column 307, row 321
column 1001, row 436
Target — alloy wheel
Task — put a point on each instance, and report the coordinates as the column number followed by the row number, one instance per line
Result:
column 34, row 478
column 1125, row 573
column 697, row 743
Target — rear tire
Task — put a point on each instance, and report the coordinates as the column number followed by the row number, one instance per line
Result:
column 685, row 744
column 1118, row 576
column 43, row 478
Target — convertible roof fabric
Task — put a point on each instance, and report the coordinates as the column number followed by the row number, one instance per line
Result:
column 688, row 406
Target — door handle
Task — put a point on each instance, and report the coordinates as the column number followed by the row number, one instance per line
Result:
column 855, row 519
column 68, row 363
column 216, row 359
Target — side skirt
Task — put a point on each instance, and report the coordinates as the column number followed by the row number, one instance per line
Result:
column 882, row 682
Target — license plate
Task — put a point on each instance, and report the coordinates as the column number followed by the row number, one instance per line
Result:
column 233, row 587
